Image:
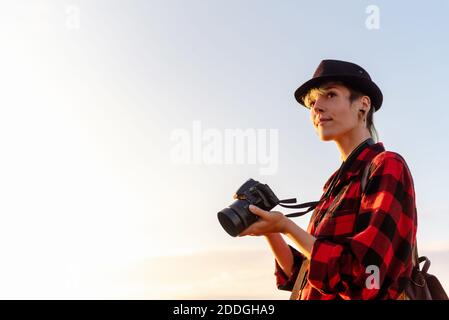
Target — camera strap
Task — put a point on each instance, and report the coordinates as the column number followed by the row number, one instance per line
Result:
column 309, row 205
column 312, row 205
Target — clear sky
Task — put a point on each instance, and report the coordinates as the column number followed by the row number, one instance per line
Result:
column 99, row 197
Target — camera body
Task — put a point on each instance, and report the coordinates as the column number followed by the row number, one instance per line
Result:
column 237, row 217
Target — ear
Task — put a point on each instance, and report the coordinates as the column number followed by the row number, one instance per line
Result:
column 365, row 104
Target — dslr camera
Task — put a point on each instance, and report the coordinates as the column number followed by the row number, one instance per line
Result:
column 237, row 217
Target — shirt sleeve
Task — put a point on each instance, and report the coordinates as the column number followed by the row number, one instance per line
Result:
column 370, row 264
column 283, row 282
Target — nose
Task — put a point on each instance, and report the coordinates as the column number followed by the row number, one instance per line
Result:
column 316, row 110
column 317, row 106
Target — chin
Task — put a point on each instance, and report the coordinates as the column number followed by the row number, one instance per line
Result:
column 326, row 137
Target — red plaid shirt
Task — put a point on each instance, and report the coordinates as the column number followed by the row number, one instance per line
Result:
column 355, row 232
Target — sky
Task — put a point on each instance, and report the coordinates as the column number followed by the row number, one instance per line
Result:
column 117, row 125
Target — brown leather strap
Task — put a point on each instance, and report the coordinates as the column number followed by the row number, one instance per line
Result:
column 415, row 257
column 299, row 283
column 403, row 296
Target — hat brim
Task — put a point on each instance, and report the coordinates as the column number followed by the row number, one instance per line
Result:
column 363, row 85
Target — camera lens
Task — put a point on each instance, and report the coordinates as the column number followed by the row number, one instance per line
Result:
column 230, row 221
column 236, row 217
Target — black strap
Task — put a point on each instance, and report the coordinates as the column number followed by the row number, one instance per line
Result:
column 309, row 205
column 291, row 200
column 301, row 213
column 300, row 206
column 313, row 204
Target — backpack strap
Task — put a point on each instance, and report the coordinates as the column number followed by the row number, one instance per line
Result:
column 364, row 180
column 300, row 280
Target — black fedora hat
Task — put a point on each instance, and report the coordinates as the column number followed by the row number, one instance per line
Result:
column 347, row 72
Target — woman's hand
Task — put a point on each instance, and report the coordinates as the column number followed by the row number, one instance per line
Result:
column 276, row 222
column 269, row 222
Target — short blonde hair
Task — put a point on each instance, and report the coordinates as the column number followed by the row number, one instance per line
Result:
column 312, row 96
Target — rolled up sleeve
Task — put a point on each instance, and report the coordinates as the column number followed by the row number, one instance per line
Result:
column 283, row 282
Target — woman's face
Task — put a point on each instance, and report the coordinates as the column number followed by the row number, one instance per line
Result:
column 332, row 113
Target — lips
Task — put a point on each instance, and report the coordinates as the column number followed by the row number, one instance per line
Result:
column 322, row 121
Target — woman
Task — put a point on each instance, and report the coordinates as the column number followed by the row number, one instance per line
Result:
column 359, row 241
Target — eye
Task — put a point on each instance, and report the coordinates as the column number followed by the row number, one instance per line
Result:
column 331, row 94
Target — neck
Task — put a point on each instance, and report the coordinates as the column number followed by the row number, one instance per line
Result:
column 347, row 143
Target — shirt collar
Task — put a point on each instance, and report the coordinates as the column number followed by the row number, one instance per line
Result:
column 356, row 161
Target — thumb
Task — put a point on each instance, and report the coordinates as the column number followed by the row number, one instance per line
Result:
column 257, row 211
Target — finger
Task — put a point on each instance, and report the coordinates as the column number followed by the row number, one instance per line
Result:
column 243, row 233
column 258, row 211
column 247, row 232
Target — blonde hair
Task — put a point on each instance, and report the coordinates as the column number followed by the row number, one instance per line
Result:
column 312, row 96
